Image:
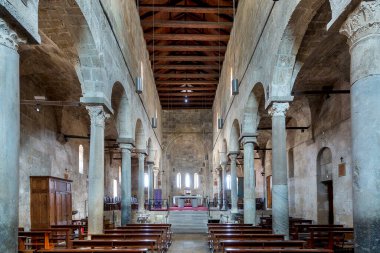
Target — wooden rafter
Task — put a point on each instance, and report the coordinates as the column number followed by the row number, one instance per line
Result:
column 186, row 9
column 188, row 37
column 181, row 58
column 187, row 24
column 190, row 48
column 195, row 76
column 188, row 67
column 189, row 82
column 186, row 88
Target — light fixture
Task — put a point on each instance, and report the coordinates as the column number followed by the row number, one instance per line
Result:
column 139, row 85
column 235, row 87
column 220, row 123
column 186, row 100
column 154, row 121
column 38, row 107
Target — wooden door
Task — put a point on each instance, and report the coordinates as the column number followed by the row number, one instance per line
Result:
column 39, row 212
column 269, row 191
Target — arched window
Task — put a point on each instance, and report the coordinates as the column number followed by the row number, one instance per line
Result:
column 291, row 163
column 146, row 180
column 179, row 180
column 114, row 188
column 228, row 182
column 80, row 159
column 187, row 180
column 196, row 181
column 119, row 174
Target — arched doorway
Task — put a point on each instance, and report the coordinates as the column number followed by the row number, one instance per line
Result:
column 325, row 191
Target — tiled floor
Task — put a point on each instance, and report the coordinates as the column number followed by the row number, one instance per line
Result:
column 189, row 243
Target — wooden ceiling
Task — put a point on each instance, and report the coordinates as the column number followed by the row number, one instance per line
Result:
column 187, row 40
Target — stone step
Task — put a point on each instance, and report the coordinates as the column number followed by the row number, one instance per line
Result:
column 188, row 221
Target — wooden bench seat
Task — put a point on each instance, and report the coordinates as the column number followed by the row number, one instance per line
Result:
column 134, row 250
column 34, row 240
column 58, row 235
column 164, row 231
column 233, row 250
column 303, row 230
column 160, row 243
column 126, row 243
column 327, row 237
column 75, row 227
column 260, row 244
column 267, row 237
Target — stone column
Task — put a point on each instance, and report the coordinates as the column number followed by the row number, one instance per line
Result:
column 224, row 200
column 126, row 184
column 249, row 181
column 155, row 179
column 141, row 190
column 280, row 206
column 363, row 31
column 150, row 176
column 219, row 175
column 9, row 136
column 96, row 170
column 234, row 197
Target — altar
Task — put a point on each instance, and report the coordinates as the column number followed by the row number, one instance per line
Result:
column 187, row 200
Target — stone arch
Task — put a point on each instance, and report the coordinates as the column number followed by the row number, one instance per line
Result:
column 122, row 111
column 65, row 24
column 234, row 146
column 140, row 143
column 287, row 68
column 324, row 181
column 251, row 110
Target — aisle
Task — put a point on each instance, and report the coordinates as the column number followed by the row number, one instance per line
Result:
column 189, row 243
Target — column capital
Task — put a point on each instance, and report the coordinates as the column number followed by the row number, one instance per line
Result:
column 8, row 36
column 278, row 109
column 233, row 155
column 126, row 147
column 245, row 139
column 141, row 155
column 363, row 22
column 97, row 115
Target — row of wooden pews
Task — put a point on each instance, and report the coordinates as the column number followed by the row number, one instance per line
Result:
column 225, row 238
column 137, row 238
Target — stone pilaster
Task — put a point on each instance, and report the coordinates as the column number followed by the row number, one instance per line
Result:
column 224, row 196
column 156, row 172
column 363, row 31
column 280, row 206
column 234, row 197
column 249, row 180
column 141, row 193
column 96, row 170
column 126, row 184
column 150, row 176
column 9, row 136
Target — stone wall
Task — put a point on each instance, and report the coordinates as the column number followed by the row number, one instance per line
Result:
column 41, row 154
column 187, row 138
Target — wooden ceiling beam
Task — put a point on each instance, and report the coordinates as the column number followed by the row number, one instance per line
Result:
column 187, row 108
column 216, row 75
column 163, row 99
column 190, row 102
column 189, row 94
column 187, row 67
column 188, row 48
column 186, row 24
column 182, row 82
column 183, row 58
column 188, row 37
column 186, row 88
column 186, row 9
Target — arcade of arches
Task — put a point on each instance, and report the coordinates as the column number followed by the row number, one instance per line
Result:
column 133, row 102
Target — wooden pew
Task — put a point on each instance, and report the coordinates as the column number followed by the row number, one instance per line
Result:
column 303, row 230
column 57, row 235
column 327, row 237
column 134, row 250
column 166, row 234
column 160, row 243
column 125, row 243
column 260, row 244
column 150, row 226
column 233, row 250
column 35, row 239
column 80, row 228
column 267, row 237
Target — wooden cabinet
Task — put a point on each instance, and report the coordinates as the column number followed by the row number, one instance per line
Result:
column 50, row 201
